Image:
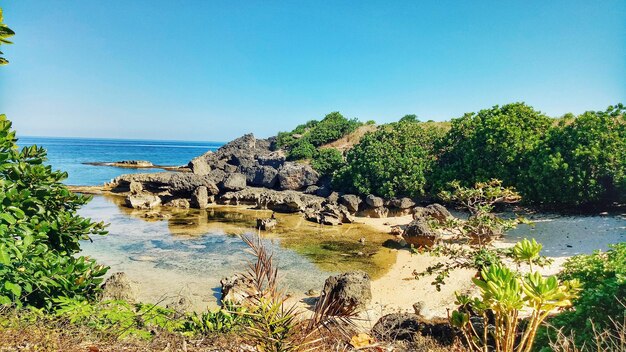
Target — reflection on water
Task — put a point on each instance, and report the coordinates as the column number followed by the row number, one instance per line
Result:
column 191, row 250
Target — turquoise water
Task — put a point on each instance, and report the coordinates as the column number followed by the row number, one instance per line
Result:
column 69, row 154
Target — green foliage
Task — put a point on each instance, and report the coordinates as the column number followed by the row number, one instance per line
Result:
column 489, row 144
column 40, row 230
column 504, row 294
column 391, row 162
column 327, row 160
column 603, row 275
column 586, row 153
column 482, row 226
column 301, row 149
column 5, row 32
column 223, row 320
column 301, row 143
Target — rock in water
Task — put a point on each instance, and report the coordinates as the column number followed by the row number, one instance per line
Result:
column 142, row 201
column 119, row 287
column 266, row 224
column 200, row 198
column 352, row 289
column 420, row 234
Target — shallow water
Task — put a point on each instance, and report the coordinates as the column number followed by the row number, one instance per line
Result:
column 190, row 252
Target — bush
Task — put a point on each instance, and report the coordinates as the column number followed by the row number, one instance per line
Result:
column 390, row 162
column 303, row 140
column 327, row 160
column 603, row 275
column 489, row 144
column 40, row 230
column 586, row 153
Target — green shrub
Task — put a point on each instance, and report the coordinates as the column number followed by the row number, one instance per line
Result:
column 603, row 276
column 301, row 149
column 586, row 153
column 327, row 160
column 489, row 144
column 301, row 143
column 40, row 230
column 390, row 162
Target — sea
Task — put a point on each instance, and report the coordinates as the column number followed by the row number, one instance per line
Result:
column 72, row 154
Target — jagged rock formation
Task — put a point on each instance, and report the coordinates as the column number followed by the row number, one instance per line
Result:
column 249, row 171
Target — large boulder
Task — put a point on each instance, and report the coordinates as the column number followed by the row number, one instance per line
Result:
column 351, row 289
column 420, row 234
column 295, row 176
column 119, row 287
column 260, row 175
column 274, row 159
column 142, row 201
column 234, row 182
column 203, row 164
column 351, row 201
column 374, row 202
column 401, row 203
column 434, row 211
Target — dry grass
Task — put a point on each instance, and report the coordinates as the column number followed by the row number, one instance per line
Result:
column 348, row 141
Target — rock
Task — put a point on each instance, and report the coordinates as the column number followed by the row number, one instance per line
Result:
column 405, row 326
column 274, row 159
column 142, row 201
column 420, row 234
column 396, row 327
column 333, row 197
column 351, row 202
column 119, row 287
column 261, row 176
column 433, row 211
column 173, row 183
column 132, row 163
column 266, row 224
column 178, row 203
column 311, row 189
column 402, row 203
column 281, row 201
column 374, row 202
column 200, row 198
column 238, row 289
column 202, row 165
column 156, row 215
column 396, row 231
column 135, row 187
column 439, row 212
column 295, row 176
column 380, row 212
column 352, row 289
column 234, row 182
column 324, row 191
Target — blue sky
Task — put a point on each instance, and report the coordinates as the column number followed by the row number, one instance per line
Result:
column 213, row 70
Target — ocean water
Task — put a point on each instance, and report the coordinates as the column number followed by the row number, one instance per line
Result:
column 70, row 154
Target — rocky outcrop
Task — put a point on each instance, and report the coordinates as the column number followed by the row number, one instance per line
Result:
column 238, row 289
column 281, row 201
column 119, row 287
column 296, row 176
column 351, row 289
column 330, row 214
column 200, row 198
column 142, row 201
column 419, row 233
column 169, row 183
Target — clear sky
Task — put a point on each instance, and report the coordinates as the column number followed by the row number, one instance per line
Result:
column 213, row 70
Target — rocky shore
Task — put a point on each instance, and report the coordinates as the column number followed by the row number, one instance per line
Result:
column 251, row 171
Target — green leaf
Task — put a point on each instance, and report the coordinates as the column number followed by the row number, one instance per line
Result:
column 15, row 289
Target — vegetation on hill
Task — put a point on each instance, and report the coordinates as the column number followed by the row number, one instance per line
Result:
column 392, row 161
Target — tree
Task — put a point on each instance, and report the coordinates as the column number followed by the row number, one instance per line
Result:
column 5, row 32
column 327, row 160
column 489, row 144
column 582, row 160
column 392, row 161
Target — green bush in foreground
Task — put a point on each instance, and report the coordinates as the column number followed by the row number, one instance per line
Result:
column 393, row 161
column 40, row 230
column 602, row 301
